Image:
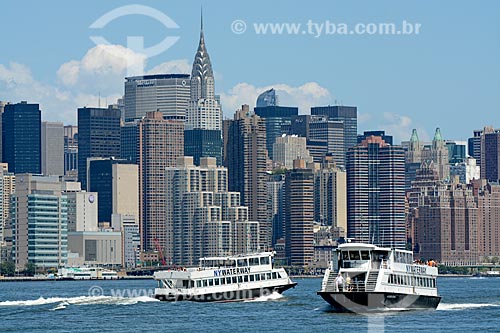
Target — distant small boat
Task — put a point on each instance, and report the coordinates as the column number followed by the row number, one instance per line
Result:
column 492, row 274
column 86, row 273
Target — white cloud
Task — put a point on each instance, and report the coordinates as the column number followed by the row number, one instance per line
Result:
column 57, row 103
column 304, row 96
column 400, row 127
column 102, row 69
column 181, row 66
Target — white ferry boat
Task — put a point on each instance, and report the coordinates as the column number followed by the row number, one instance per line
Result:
column 366, row 278
column 231, row 278
column 86, row 273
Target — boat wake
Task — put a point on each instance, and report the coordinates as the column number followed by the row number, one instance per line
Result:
column 463, row 306
column 273, row 297
column 79, row 300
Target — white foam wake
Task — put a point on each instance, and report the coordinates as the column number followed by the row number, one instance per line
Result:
column 463, row 306
column 272, row 297
column 80, row 300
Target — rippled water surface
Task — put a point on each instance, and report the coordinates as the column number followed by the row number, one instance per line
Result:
column 468, row 305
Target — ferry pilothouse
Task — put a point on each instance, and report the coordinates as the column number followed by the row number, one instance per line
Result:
column 230, row 278
column 366, row 278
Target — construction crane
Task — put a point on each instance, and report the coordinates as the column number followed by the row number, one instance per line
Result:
column 160, row 252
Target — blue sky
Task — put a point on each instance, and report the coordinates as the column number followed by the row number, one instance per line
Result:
column 447, row 76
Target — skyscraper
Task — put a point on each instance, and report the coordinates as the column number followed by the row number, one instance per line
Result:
column 98, row 136
column 321, row 129
column 288, row 148
column 71, row 150
column 21, row 137
column 330, row 196
column 39, row 222
column 387, row 138
column 276, row 206
column 474, row 146
column 376, row 193
column 347, row 114
column 117, row 184
column 7, row 188
column 416, row 153
column 203, row 132
column 299, row 215
column 488, row 236
column 2, row 106
column 166, row 93
column 52, row 134
column 490, row 154
column 444, row 219
column 267, row 98
column 277, row 119
column 245, row 156
column 202, row 217
column 160, row 143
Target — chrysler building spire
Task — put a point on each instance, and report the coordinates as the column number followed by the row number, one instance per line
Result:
column 202, row 76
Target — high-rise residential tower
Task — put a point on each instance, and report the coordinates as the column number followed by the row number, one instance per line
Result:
column 203, row 218
column 203, row 131
column 160, row 143
column 21, row 137
column 376, row 193
column 299, row 215
column 166, row 93
column 245, row 156
column 98, row 136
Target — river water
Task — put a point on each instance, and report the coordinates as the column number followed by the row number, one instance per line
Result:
column 468, row 305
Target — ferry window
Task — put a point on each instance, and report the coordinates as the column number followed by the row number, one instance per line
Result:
column 185, row 283
column 263, row 276
column 242, row 262
column 257, row 277
column 230, row 263
column 240, row 279
column 217, row 282
column 354, row 255
column 274, row 275
column 228, row 280
column 279, row 276
column 252, row 278
column 198, row 283
column 245, row 278
column 211, row 282
column 264, row 260
column 205, row 283
column 345, row 255
column 365, row 255
column 223, row 281
column 254, row 261
column 268, row 276
column 235, row 280
column 191, row 284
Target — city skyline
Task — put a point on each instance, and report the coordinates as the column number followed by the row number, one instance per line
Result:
column 393, row 89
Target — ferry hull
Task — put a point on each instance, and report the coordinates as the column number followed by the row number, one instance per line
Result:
column 363, row 302
column 228, row 296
